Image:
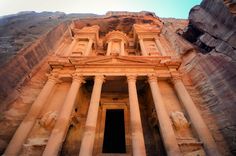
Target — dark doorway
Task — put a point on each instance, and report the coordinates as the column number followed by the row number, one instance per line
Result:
column 114, row 135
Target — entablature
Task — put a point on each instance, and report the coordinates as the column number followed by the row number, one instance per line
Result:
column 116, row 65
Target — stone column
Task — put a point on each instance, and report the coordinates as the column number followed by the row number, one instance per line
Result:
column 109, row 48
column 195, row 117
column 167, row 131
column 138, row 144
column 60, row 129
column 89, row 47
column 71, row 46
column 122, row 52
column 87, row 143
column 143, row 49
column 160, row 47
column 22, row 132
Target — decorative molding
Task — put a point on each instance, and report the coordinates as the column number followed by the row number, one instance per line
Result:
column 99, row 78
column 115, row 34
column 78, row 78
column 175, row 77
column 152, row 78
column 131, row 78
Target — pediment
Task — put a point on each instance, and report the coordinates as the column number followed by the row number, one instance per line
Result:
column 110, row 60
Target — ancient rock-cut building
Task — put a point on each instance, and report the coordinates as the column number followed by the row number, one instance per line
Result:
column 115, row 85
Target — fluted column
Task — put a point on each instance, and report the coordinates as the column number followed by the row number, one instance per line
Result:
column 195, row 117
column 122, row 52
column 89, row 47
column 166, row 128
column 138, row 144
column 86, row 148
column 143, row 49
column 109, row 48
column 27, row 124
column 160, row 47
column 60, row 129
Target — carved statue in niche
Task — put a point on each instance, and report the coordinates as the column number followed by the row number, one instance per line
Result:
column 179, row 120
column 38, row 138
column 153, row 117
column 80, row 47
column 116, row 41
column 75, row 119
column 115, row 50
column 151, row 47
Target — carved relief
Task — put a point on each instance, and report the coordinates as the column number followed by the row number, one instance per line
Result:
column 80, row 47
column 179, row 120
column 86, row 38
column 75, row 118
column 151, row 47
column 48, row 120
column 38, row 138
column 116, row 41
column 116, row 48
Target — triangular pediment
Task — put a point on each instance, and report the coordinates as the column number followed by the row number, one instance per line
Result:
column 119, row 60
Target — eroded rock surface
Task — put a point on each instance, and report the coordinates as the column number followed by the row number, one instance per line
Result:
column 18, row 31
column 212, row 29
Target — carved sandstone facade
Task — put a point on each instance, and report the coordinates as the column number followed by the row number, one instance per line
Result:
column 113, row 92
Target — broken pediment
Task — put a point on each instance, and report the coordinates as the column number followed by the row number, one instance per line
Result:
column 91, row 32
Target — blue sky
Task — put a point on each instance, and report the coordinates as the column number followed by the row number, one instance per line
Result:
column 162, row 8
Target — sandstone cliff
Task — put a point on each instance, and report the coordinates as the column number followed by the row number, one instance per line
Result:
column 25, row 39
column 20, row 30
column 212, row 30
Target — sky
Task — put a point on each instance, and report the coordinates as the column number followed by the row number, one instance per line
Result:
column 162, row 8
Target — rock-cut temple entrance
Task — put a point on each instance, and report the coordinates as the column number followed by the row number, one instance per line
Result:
column 114, row 135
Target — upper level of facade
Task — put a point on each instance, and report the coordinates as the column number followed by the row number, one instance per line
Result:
column 143, row 39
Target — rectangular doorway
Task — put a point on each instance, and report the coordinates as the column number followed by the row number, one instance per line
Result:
column 114, row 134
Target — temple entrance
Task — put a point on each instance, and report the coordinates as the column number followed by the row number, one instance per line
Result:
column 113, row 131
column 114, row 134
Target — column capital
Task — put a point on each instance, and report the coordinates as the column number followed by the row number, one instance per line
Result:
column 152, row 78
column 91, row 40
column 53, row 76
column 99, row 78
column 131, row 78
column 109, row 41
column 175, row 77
column 140, row 38
column 78, row 78
column 157, row 38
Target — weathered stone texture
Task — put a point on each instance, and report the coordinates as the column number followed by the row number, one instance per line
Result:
column 212, row 29
column 19, row 30
column 22, row 66
column 18, row 106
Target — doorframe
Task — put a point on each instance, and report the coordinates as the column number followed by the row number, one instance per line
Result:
column 104, row 106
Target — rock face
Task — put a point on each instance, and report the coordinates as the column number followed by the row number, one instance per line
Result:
column 22, row 66
column 212, row 29
column 25, row 39
column 20, row 30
